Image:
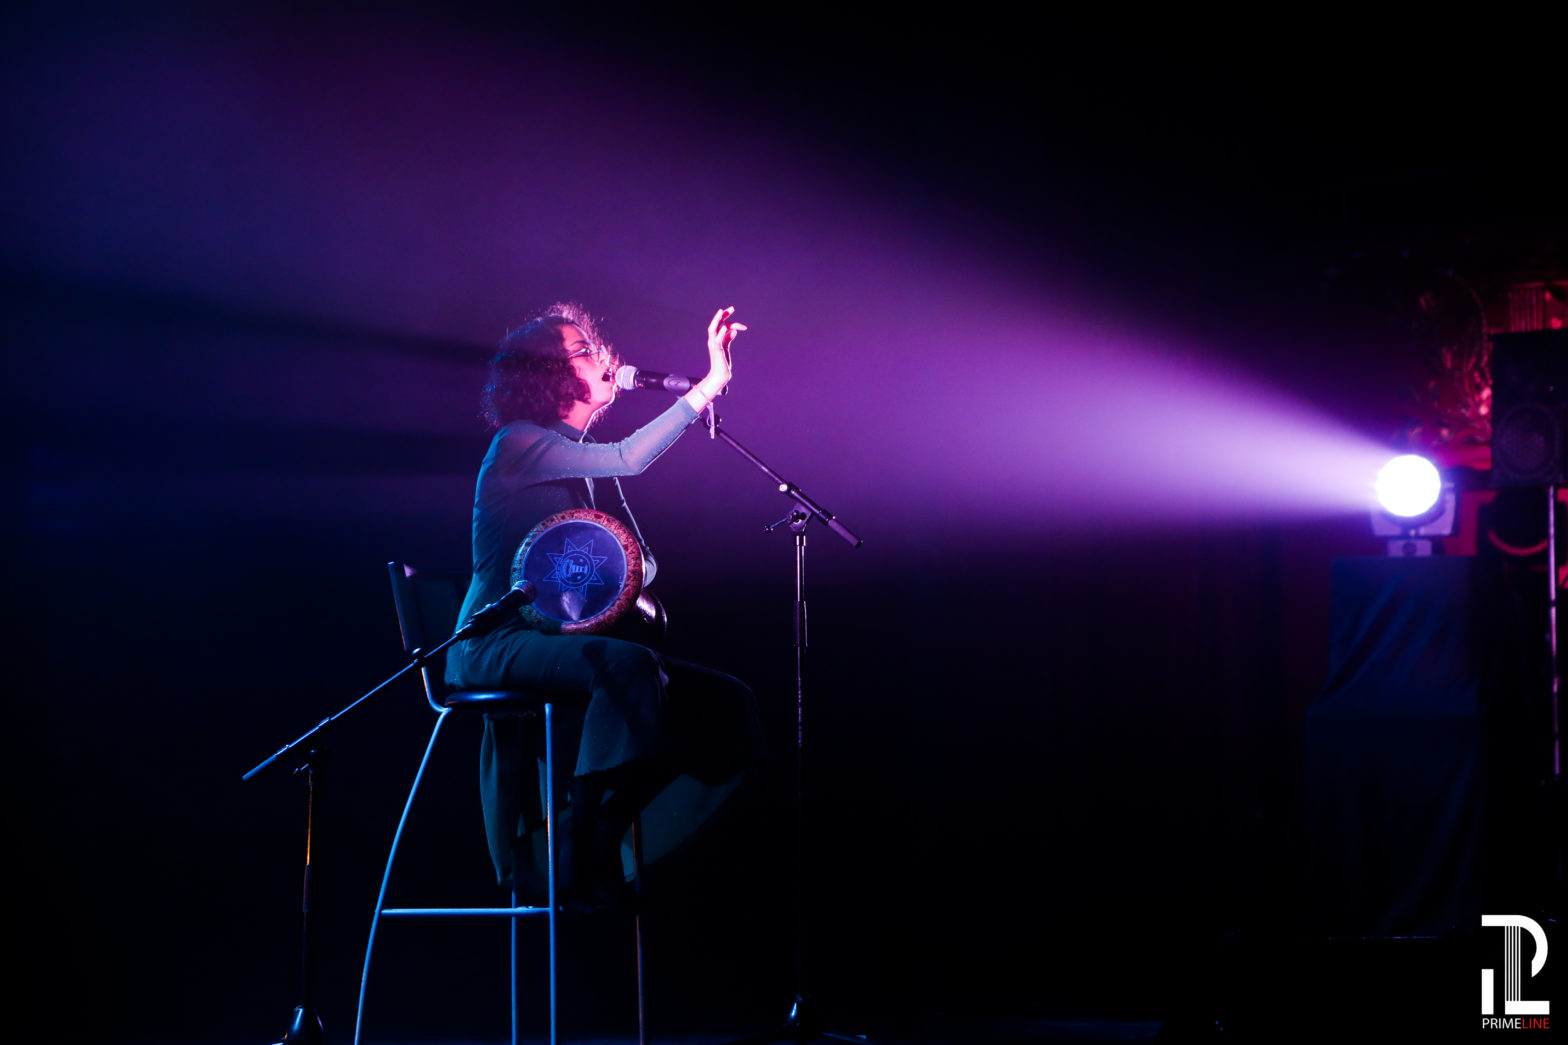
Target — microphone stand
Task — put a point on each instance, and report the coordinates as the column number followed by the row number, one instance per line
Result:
column 305, row 1028
column 803, row 1022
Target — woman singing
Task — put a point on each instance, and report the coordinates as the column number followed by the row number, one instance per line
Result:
column 634, row 726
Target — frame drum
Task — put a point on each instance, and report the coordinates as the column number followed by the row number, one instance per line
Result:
column 587, row 568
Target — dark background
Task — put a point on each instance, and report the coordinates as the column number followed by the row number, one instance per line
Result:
column 253, row 264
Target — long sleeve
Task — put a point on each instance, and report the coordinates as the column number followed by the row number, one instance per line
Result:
column 529, row 454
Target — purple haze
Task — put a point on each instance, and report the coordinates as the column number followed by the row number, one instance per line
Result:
column 421, row 182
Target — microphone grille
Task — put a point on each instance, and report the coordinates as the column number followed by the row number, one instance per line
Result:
column 626, row 377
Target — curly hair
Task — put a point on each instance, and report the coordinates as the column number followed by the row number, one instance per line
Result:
column 530, row 377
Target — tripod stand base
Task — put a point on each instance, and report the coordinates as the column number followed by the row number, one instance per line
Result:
column 802, row 1024
column 305, row 1029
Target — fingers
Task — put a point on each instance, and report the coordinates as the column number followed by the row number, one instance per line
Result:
column 720, row 331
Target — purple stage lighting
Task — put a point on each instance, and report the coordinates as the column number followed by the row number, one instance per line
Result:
column 1408, row 486
column 376, row 211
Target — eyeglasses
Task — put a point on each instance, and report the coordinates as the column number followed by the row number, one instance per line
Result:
column 600, row 353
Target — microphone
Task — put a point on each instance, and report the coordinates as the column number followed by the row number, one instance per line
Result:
column 630, row 378
column 493, row 615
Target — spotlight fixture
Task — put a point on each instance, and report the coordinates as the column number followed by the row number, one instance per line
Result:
column 1414, row 504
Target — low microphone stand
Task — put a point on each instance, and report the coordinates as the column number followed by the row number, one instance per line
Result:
column 803, row 1022
column 305, row 1028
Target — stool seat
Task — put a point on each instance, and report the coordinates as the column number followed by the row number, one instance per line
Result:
column 498, row 701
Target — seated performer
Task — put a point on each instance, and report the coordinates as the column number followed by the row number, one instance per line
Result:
column 633, row 726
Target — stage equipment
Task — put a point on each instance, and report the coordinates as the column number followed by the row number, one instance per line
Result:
column 1530, row 419
column 803, row 1023
column 1529, row 408
column 587, row 567
column 1414, row 505
column 629, row 378
column 426, row 601
column 1408, row 486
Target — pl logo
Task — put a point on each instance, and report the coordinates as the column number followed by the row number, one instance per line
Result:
column 1519, row 1013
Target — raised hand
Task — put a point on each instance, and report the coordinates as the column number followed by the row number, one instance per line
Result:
column 722, row 332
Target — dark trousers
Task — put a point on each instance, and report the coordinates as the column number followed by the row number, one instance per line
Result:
column 624, row 709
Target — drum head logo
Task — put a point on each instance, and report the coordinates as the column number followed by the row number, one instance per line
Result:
column 583, row 565
column 576, row 566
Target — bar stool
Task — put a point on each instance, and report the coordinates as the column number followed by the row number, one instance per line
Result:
column 428, row 604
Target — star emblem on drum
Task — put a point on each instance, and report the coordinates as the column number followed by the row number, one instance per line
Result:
column 576, row 566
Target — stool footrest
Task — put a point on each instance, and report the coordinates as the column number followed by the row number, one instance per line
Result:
column 473, row 912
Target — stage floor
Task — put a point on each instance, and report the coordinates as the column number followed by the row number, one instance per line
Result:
column 1059, row 1031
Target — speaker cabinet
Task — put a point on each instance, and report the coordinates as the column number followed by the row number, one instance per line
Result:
column 1529, row 408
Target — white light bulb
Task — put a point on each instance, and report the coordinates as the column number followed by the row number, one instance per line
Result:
column 1408, row 486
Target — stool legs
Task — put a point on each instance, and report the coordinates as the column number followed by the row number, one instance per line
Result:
column 642, row 1020
column 514, row 913
column 517, row 909
column 517, row 901
column 550, row 854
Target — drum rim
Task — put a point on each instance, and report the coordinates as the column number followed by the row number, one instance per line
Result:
column 629, row 591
